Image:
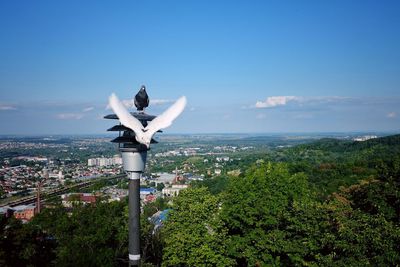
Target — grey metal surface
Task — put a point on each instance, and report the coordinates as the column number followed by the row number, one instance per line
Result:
column 139, row 116
column 134, row 220
column 134, row 175
column 118, row 128
column 129, row 139
column 133, row 161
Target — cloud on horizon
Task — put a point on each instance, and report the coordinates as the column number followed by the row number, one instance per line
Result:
column 7, row 107
column 278, row 113
column 158, row 102
column 274, row 101
column 87, row 109
column 69, row 116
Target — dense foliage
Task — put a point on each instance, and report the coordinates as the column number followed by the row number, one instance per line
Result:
column 275, row 214
column 330, row 203
column 89, row 236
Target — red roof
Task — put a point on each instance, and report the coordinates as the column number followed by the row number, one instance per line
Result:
column 150, row 198
column 88, row 199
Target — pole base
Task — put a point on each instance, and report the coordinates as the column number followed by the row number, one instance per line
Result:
column 134, row 257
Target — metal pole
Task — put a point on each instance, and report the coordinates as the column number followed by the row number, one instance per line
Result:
column 134, row 218
column 134, row 161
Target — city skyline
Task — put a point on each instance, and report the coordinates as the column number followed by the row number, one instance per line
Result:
column 256, row 67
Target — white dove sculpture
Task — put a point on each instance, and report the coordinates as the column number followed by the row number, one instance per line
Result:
column 144, row 134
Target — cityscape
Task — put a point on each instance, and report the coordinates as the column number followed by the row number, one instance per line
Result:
column 52, row 163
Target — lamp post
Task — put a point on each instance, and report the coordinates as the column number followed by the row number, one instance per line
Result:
column 138, row 129
column 134, row 156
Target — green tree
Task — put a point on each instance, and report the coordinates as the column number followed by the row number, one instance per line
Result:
column 215, row 185
column 160, row 187
column 255, row 210
column 92, row 235
column 194, row 235
column 25, row 245
column 356, row 238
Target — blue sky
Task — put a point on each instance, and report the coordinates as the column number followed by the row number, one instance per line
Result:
column 245, row 66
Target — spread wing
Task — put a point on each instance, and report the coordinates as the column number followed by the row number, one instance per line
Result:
column 166, row 118
column 124, row 116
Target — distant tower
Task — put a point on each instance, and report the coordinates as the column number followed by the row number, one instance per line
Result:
column 38, row 197
column 45, row 176
column 176, row 178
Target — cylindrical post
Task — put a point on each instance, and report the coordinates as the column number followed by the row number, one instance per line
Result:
column 134, row 162
column 134, row 219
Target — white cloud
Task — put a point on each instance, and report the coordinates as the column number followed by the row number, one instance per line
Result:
column 7, row 107
column 88, row 109
column 391, row 115
column 157, row 102
column 274, row 101
column 69, row 116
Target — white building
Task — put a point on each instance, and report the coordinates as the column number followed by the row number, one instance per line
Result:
column 364, row 138
column 103, row 162
column 92, row 162
column 174, row 190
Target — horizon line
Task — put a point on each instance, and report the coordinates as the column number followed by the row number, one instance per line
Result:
column 211, row 133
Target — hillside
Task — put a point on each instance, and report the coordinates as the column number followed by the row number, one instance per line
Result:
column 327, row 203
column 336, row 145
column 332, row 163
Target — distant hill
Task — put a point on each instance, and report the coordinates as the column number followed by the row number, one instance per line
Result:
column 336, row 145
column 332, row 163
